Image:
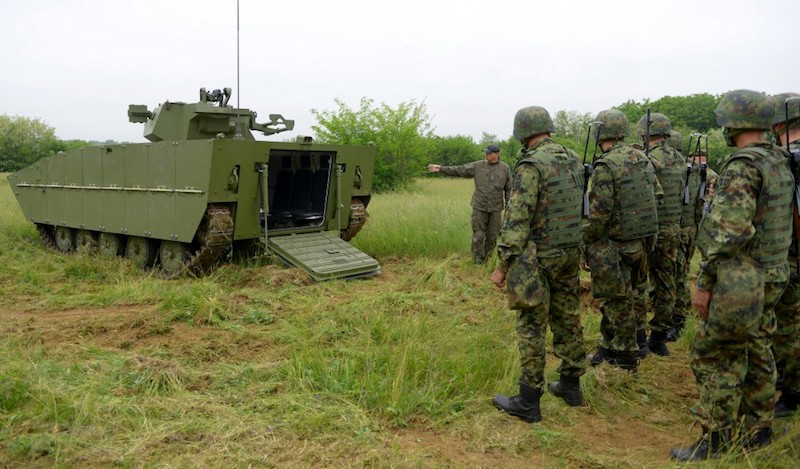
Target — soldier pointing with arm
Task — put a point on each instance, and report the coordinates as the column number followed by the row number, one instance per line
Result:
column 492, row 188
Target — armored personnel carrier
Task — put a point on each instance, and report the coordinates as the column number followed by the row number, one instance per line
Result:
column 201, row 187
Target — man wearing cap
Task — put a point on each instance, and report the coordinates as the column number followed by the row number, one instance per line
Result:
column 492, row 189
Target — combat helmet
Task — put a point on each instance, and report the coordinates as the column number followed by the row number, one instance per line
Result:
column 778, row 102
column 532, row 120
column 744, row 109
column 660, row 126
column 613, row 125
column 676, row 140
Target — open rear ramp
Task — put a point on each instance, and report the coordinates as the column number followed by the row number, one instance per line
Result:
column 324, row 255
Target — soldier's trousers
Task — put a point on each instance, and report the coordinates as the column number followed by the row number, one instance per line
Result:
column 733, row 362
column 662, row 264
column 683, row 296
column 618, row 326
column 786, row 340
column 562, row 312
column 485, row 227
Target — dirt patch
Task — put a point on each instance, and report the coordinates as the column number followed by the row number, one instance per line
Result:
column 428, row 444
column 136, row 328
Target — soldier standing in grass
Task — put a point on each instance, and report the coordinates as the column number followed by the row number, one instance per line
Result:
column 786, row 341
column 662, row 261
column 618, row 232
column 744, row 241
column 696, row 176
column 539, row 259
column 492, row 189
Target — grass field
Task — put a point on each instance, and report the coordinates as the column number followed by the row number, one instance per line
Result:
column 254, row 365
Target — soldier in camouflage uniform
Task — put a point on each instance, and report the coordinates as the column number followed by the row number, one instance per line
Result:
column 492, row 186
column 786, row 341
column 694, row 196
column 538, row 254
column 622, row 221
column 744, row 242
column 662, row 261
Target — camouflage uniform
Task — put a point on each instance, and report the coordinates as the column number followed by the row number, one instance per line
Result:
column 615, row 234
column 697, row 178
column 539, row 248
column 786, row 340
column 492, row 187
column 663, row 259
column 731, row 355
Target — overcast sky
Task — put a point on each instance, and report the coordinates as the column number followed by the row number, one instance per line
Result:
column 78, row 64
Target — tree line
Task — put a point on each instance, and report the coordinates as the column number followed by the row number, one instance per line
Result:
column 404, row 135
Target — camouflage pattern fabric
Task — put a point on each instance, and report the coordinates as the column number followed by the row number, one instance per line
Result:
column 619, row 322
column 492, row 183
column 732, row 355
column 560, row 307
column 662, row 263
column 683, row 296
column 730, row 226
column 663, row 260
column 786, row 341
column 618, row 267
column 492, row 190
column 604, row 192
column 542, row 284
column 485, row 226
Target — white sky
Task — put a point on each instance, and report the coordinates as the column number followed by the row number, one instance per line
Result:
column 78, row 64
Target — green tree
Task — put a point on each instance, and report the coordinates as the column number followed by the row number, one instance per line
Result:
column 24, row 140
column 454, row 150
column 572, row 124
column 509, row 151
column 695, row 111
column 402, row 136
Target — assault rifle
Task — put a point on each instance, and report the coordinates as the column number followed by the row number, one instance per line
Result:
column 696, row 152
column 648, row 122
column 589, row 168
column 794, row 163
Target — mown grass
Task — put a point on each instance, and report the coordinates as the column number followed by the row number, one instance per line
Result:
column 254, row 365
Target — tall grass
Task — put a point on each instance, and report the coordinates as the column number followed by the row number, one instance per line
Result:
column 430, row 220
column 255, row 365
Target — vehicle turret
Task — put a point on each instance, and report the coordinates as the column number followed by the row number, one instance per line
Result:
column 211, row 117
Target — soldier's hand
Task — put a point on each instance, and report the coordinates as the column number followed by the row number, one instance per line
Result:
column 584, row 266
column 499, row 278
column 700, row 300
column 434, row 168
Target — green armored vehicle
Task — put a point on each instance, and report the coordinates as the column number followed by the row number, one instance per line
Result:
column 201, row 187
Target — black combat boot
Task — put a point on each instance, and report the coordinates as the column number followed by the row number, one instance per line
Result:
column 710, row 445
column 658, row 343
column 760, row 439
column 674, row 332
column 602, row 353
column 644, row 348
column 787, row 404
column 569, row 389
column 525, row 405
column 625, row 360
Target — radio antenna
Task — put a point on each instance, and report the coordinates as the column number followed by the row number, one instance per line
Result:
column 238, row 135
